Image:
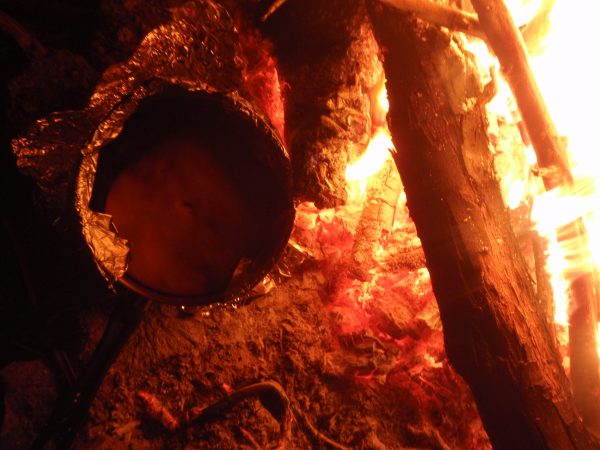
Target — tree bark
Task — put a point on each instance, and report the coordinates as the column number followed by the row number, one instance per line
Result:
column 495, row 335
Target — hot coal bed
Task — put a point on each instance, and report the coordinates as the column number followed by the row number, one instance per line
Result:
column 198, row 255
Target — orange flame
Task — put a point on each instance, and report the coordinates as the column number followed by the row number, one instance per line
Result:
column 566, row 63
column 374, row 157
column 568, row 78
column 376, row 154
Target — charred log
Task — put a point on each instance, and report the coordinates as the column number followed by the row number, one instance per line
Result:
column 495, row 335
column 328, row 59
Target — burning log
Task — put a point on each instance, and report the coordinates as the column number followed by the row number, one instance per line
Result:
column 508, row 45
column 377, row 214
column 495, row 336
column 550, row 149
column 328, row 58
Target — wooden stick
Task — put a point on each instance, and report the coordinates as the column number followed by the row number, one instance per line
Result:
column 377, row 215
column 58, row 359
column 457, row 19
column 274, row 7
column 507, row 43
column 445, row 16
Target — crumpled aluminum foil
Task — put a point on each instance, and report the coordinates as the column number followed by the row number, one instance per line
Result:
column 197, row 50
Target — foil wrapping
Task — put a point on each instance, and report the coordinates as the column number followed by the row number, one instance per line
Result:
column 198, row 49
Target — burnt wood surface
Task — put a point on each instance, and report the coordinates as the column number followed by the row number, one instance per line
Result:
column 495, row 336
column 328, row 61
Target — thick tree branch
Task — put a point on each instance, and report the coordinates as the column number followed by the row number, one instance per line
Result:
column 496, row 336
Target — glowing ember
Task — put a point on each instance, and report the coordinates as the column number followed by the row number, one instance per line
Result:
column 332, row 237
column 379, row 291
column 393, row 274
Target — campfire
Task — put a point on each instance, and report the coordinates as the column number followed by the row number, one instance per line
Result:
column 383, row 232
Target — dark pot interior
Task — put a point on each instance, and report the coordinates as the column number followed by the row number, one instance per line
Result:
column 200, row 191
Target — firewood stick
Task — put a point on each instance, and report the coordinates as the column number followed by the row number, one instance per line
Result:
column 58, row 359
column 507, row 42
column 274, row 7
column 583, row 334
column 445, row 16
column 377, row 215
column 457, row 19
